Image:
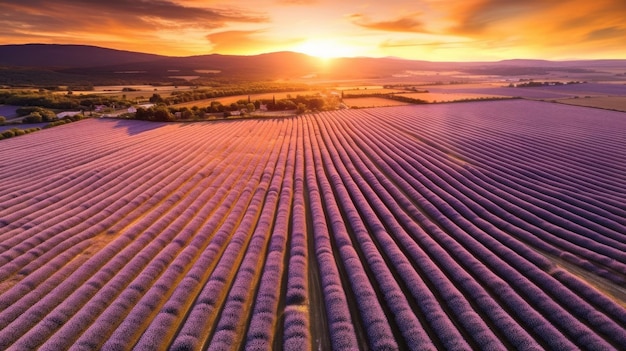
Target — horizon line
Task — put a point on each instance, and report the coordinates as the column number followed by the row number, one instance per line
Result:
column 316, row 57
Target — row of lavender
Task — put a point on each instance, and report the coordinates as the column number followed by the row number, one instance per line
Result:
column 482, row 251
column 404, row 228
column 133, row 236
column 565, row 188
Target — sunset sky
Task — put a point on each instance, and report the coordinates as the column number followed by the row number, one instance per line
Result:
column 435, row 30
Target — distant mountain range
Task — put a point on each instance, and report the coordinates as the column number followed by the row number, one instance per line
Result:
column 41, row 64
column 67, row 56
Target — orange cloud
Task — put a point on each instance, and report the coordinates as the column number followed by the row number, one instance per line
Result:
column 431, row 44
column 469, row 28
column 297, row 2
column 608, row 33
column 407, row 24
column 477, row 16
column 246, row 41
column 551, row 29
column 529, row 17
column 127, row 24
column 233, row 41
column 131, row 11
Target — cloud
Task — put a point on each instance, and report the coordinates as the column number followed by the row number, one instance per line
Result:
column 539, row 28
column 296, row 2
column 73, row 16
column 613, row 32
column 159, row 26
column 539, row 18
column 242, row 41
column 431, row 44
column 164, row 9
column 478, row 16
column 548, row 29
column 233, row 40
column 407, row 23
column 594, row 16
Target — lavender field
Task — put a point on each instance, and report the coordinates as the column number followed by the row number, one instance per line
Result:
column 475, row 226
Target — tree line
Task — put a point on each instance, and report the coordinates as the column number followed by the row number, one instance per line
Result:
column 299, row 104
column 46, row 99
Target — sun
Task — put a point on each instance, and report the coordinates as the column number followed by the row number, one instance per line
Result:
column 325, row 48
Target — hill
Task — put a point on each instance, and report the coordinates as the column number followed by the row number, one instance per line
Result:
column 43, row 64
column 67, row 56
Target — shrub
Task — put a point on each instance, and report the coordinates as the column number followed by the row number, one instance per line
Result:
column 34, row 117
column 74, row 118
column 162, row 114
column 301, row 108
column 56, row 123
column 45, row 114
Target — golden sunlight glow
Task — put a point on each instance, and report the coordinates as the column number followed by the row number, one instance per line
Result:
column 434, row 30
column 325, row 49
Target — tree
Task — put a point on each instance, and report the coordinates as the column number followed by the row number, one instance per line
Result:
column 216, row 106
column 186, row 113
column 316, row 104
column 156, row 99
column 34, row 117
column 285, row 104
column 142, row 114
column 47, row 115
column 301, row 108
column 163, row 114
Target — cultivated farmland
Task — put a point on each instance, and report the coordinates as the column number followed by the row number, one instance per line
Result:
column 485, row 225
column 227, row 100
column 617, row 103
column 449, row 97
column 361, row 102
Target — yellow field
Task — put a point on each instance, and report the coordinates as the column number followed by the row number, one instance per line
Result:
column 617, row 103
column 447, row 97
column 372, row 102
column 373, row 91
column 358, row 87
column 482, row 85
column 143, row 91
column 227, row 100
